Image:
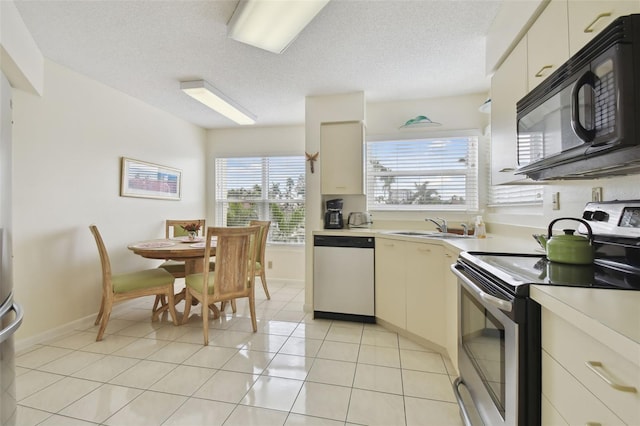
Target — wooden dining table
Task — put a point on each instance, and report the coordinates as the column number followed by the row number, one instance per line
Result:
column 181, row 249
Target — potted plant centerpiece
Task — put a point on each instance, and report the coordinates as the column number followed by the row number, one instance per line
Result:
column 192, row 230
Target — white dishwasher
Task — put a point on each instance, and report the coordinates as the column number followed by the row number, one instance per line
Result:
column 343, row 278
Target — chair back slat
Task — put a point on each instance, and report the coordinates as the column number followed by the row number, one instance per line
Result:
column 104, row 260
column 235, row 261
column 261, row 242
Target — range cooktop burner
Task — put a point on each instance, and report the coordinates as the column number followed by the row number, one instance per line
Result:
column 517, row 270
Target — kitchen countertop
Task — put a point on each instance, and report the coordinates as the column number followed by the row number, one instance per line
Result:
column 611, row 316
column 493, row 243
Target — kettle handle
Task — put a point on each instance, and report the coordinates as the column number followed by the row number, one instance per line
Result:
column 584, row 222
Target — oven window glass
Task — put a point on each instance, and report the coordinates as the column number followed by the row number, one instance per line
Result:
column 483, row 341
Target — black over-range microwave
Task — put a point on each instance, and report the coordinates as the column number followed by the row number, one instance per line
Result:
column 583, row 121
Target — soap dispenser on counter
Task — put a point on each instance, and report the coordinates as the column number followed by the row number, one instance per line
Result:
column 480, row 229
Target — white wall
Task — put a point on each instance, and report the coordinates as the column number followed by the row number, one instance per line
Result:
column 67, row 148
column 574, row 195
column 287, row 262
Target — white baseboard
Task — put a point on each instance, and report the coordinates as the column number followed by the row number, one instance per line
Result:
column 79, row 324
column 87, row 322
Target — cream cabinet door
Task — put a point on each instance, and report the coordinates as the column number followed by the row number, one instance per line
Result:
column 451, row 306
column 547, row 43
column 390, row 281
column 341, row 158
column 425, row 291
column 588, row 17
column 508, row 86
column 572, row 401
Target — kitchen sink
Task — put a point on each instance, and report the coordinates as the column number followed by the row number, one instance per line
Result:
column 411, row 233
column 428, row 234
column 445, row 235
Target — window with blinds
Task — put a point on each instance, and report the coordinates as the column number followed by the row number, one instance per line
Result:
column 262, row 188
column 514, row 195
column 423, row 174
column 529, row 147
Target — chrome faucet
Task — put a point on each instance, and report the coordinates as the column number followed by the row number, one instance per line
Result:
column 442, row 227
column 465, row 229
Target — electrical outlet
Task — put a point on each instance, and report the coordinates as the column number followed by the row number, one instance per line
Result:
column 270, row 264
column 596, row 194
column 555, row 201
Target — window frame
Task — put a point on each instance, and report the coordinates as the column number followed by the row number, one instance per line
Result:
column 264, row 201
column 470, row 173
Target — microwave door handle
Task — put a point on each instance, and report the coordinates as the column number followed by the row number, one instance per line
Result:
column 587, row 79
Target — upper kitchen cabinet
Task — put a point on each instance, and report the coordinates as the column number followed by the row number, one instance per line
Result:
column 341, row 157
column 547, row 43
column 508, row 85
column 587, row 18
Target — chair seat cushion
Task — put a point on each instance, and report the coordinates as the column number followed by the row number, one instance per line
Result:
column 148, row 278
column 177, row 267
column 173, row 266
column 195, row 281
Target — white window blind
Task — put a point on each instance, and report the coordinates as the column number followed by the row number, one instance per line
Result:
column 503, row 195
column 262, row 188
column 529, row 146
column 423, row 174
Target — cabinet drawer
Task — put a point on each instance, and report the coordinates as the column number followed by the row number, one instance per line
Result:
column 571, row 400
column 551, row 416
column 607, row 374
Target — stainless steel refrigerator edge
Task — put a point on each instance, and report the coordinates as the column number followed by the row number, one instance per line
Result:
column 10, row 312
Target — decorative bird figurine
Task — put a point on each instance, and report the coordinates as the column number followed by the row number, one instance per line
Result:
column 311, row 159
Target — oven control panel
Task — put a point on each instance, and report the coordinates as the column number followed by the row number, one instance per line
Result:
column 615, row 218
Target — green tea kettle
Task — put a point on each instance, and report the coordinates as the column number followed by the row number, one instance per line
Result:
column 568, row 248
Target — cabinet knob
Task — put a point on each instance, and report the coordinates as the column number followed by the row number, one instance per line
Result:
column 589, row 28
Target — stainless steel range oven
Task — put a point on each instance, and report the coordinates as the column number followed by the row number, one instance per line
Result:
column 499, row 325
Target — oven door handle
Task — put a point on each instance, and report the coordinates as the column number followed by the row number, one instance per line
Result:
column 503, row 305
column 463, row 409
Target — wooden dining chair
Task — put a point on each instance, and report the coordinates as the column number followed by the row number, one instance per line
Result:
column 261, row 266
column 173, row 229
column 233, row 277
column 115, row 288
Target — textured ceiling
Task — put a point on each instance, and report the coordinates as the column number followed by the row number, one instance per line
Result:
column 391, row 50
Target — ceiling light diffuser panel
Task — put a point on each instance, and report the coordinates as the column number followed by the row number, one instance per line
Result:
column 272, row 25
column 217, row 101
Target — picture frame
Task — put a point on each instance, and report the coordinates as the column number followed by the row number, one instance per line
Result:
column 147, row 180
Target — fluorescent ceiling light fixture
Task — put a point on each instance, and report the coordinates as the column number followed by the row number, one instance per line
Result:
column 272, row 24
column 202, row 91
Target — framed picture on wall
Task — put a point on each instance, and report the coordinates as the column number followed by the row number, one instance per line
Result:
column 148, row 180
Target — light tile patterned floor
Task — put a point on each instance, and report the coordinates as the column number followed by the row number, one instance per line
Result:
column 293, row 371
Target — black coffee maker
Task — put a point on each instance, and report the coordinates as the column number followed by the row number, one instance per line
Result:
column 333, row 215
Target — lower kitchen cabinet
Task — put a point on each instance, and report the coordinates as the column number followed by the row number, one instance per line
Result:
column 584, row 380
column 410, row 287
column 451, row 306
column 425, row 291
column 390, row 282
